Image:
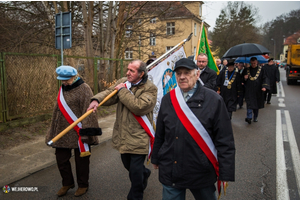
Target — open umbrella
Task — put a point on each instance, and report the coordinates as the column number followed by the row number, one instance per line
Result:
column 260, row 59
column 245, row 49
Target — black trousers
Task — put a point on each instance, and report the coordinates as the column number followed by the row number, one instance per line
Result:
column 82, row 164
column 268, row 95
column 241, row 100
column 134, row 163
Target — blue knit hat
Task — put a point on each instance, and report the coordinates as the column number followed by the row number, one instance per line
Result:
column 65, row 72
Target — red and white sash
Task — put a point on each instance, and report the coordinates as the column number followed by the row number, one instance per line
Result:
column 71, row 117
column 195, row 129
column 145, row 123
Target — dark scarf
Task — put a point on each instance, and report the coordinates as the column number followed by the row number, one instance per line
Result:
column 74, row 85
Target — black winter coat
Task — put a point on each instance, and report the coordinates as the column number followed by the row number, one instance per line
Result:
column 273, row 75
column 209, row 78
column 182, row 163
column 230, row 96
column 254, row 96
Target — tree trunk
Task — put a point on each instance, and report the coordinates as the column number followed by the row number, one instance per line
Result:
column 119, row 31
column 88, row 25
column 107, row 39
column 112, row 47
column 101, row 75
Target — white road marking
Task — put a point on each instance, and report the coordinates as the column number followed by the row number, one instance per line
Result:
column 281, row 104
column 294, row 148
column 282, row 190
column 280, row 90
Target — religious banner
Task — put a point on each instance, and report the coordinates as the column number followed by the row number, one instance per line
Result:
column 163, row 77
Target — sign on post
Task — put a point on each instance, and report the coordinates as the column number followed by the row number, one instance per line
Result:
column 63, row 30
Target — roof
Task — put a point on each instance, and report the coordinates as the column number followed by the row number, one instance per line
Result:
column 292, row 39
column 175, row 10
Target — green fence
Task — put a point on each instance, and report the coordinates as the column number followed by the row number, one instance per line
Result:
column 28, row 84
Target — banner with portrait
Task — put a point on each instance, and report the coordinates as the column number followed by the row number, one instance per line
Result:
column 163, row 77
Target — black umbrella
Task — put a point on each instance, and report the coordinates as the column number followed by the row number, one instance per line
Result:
column 245, row 49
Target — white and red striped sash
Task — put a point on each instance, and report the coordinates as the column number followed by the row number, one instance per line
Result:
column 145, row 123
column 194, row 127
column 71, row 117
column 196, row 130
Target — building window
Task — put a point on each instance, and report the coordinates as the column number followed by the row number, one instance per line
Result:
column 153, row 20
column 170, row 28
column 128, row 53
column 152, row 39
column 195, row 29
column 169, row 48
column 128, row 31
column 200, row 10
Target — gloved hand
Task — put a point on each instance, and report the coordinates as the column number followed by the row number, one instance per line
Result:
column 85, row 139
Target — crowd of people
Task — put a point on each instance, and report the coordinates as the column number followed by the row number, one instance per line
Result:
column 255, row 83
column 193, row 144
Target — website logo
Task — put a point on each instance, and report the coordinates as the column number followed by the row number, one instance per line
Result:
column 6, row 189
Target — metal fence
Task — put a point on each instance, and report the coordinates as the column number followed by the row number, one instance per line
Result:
column 28, row 84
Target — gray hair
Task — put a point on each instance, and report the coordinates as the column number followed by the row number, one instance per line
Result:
column 142, row 67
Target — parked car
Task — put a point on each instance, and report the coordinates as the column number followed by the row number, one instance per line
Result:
column 282, row 65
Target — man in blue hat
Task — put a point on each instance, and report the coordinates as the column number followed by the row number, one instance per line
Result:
column 194, row 143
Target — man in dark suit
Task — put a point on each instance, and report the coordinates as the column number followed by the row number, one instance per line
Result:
column 207, row 75
column 272, row 73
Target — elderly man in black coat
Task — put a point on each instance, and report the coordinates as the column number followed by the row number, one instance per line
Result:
column 194, row 144
column 272, row 73
column 256, row 83
column 229, row 82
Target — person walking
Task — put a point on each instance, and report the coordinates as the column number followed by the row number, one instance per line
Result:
column 272, row 73
column 194, row 144
column 229, row 82
column 219, row 64
column 135, row 101
column 207, row 75
column 242, row 94
column 256, row 83
column 72, row 102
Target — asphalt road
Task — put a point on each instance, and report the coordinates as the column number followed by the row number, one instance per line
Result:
column 256, row 160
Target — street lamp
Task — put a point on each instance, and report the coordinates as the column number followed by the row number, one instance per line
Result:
column 274, row 46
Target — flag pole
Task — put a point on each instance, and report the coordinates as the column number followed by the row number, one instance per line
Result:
column 57, row 137
column 198, row 45
column 155, row 62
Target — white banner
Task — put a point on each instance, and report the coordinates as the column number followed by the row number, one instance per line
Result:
column 163, row 77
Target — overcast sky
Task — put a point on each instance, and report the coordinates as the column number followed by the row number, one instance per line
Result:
column 268, row 10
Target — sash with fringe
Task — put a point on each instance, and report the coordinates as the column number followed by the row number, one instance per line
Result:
column 145, row 123
column 71, row 117
column 196, row 130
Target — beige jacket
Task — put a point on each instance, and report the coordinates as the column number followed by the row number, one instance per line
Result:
column 128, row 135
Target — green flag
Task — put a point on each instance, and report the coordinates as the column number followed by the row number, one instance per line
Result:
column 203, row 47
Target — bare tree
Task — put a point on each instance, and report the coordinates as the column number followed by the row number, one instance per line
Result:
column 88, row 18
